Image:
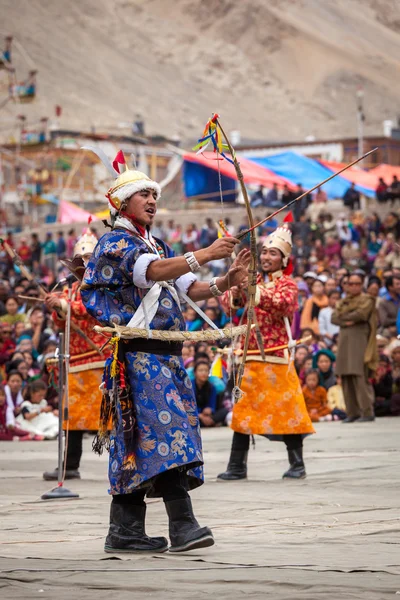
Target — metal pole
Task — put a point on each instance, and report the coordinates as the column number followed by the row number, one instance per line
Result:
column 60, row 404
column 360, row 121
column 60, row 491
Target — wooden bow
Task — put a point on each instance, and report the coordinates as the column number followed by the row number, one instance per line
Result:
column 252, row 286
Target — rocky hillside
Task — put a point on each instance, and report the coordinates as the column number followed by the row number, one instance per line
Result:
column 274, row 69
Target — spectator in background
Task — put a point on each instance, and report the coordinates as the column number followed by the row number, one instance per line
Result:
column 327, row 329
column 272, row 198
column 12, row 315
column 158, row 231
column 351, row 198
column 176, row 239
column 36, row 416
column 393, row 258
column 267, row 227
column 190, row 239
column 357, row 353
column 393, row 192
column 320, row 196
column 9, row 431
column 287, row 195
column 257, row 199
column 389, row 305
column 61, row 246
column 36, row 252
column 373, row 287
column 373, row 247
column 71, row 241
column 25, row 252
column 323, row 362
column 317, row 301
column 206, row 397
column 208, row 233
column 381, row 190
column 302, row 229
column 316, row 398
column 383, row 387
column 49, row 252
column 301, row 253
column 7, row 343
column 13, row 390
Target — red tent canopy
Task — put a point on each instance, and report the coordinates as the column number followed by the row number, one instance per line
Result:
column 386, row 172
column 252, row 173
column 367, row 179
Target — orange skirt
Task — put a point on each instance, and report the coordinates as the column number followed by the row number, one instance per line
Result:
column 272, row 402
column 85, row 398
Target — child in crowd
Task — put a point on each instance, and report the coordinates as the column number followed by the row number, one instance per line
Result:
column 316, row 398
column 9, row 431
column 206, row 397
column 300, row 356
column 307, row 365
column 324, row 361
column 383, row 387
column 13, row 390
column 36, row 415
column 336, row 401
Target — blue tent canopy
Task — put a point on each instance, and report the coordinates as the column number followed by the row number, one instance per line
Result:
column 301, row 169
column 199, row 180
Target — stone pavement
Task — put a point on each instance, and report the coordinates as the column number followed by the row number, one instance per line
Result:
column 334, row 535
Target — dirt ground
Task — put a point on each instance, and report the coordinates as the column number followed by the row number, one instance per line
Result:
column 334, row 535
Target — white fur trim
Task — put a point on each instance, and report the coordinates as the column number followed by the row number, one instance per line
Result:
column 140, row 270
column 126, row 191
column 184, row 282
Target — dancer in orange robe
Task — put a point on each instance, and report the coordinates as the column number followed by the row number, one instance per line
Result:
column 272, row 404
column 86, row 364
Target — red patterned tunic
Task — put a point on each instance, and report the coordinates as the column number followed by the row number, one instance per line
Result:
column 275, row 299
column 86, row 364
column 272, row 403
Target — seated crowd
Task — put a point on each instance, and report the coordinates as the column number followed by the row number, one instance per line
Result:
column 326, row 252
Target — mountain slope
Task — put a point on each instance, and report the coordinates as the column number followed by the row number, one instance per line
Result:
column 276, row 69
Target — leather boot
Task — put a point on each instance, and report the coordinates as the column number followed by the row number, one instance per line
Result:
column 69, row 474
column 184, row 531
column 297, row 469
column 127, row 532
column 237, row 466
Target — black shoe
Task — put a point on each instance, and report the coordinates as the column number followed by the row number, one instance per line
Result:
column 184, row 531
column 69, row 474
column 297, row 469
column 237, row 466
column 364, row 420
column 350, row 419
column 127, row 532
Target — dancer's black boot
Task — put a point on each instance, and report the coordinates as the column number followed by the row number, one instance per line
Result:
column 127, row 531
column 184, row 531
column 297, row 469
column 237, row 466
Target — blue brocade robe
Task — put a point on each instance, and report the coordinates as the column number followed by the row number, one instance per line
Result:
column 167, row 432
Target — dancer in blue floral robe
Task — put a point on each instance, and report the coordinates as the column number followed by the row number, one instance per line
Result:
column 166, row 422
column 155, row 445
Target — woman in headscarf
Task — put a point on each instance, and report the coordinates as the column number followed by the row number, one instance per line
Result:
column 323, row 361
column 312, row 306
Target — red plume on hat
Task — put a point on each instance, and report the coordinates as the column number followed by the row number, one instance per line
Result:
column 119, row 162
column 288, row 270
column 289, row 217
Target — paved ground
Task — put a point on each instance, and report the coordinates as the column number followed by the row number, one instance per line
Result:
column 333, row 535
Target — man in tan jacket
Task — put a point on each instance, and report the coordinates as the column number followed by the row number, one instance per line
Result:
column 357, row 353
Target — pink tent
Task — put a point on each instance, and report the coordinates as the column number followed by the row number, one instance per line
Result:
column 386, row 172
column 70, row 213
column 366, row 179
column 252, row 173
